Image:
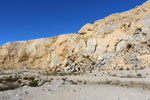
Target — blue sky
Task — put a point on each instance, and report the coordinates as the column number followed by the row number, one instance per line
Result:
column 31, row 19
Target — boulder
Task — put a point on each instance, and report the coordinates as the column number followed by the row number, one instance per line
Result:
column 146, row 25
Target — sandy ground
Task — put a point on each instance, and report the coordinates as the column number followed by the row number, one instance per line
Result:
column 76, row 92
column 90, row 86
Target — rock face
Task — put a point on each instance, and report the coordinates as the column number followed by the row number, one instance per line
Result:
column 119, row 41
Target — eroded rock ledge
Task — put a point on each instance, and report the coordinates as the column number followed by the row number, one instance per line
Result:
column 118, row 42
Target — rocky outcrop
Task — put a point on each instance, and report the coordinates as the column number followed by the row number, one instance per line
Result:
column 117, row 42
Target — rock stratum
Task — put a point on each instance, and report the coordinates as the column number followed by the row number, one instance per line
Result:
column 120, row 41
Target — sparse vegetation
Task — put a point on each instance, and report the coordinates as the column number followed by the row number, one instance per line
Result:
column 73, row 82
column 29, row 78
column 33, row 83
column 139, row 75
column 120, row 69
column 11, row 79
column 114, row 75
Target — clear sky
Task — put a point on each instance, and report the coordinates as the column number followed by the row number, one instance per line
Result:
column 31, row 19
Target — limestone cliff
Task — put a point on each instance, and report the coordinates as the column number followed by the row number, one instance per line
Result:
column 119, row 41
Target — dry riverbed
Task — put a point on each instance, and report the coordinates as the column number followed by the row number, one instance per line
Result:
column 24, row 84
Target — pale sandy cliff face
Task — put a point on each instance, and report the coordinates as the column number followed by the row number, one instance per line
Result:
column 119, row 41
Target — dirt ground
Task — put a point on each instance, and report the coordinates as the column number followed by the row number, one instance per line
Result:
column 122, row 85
